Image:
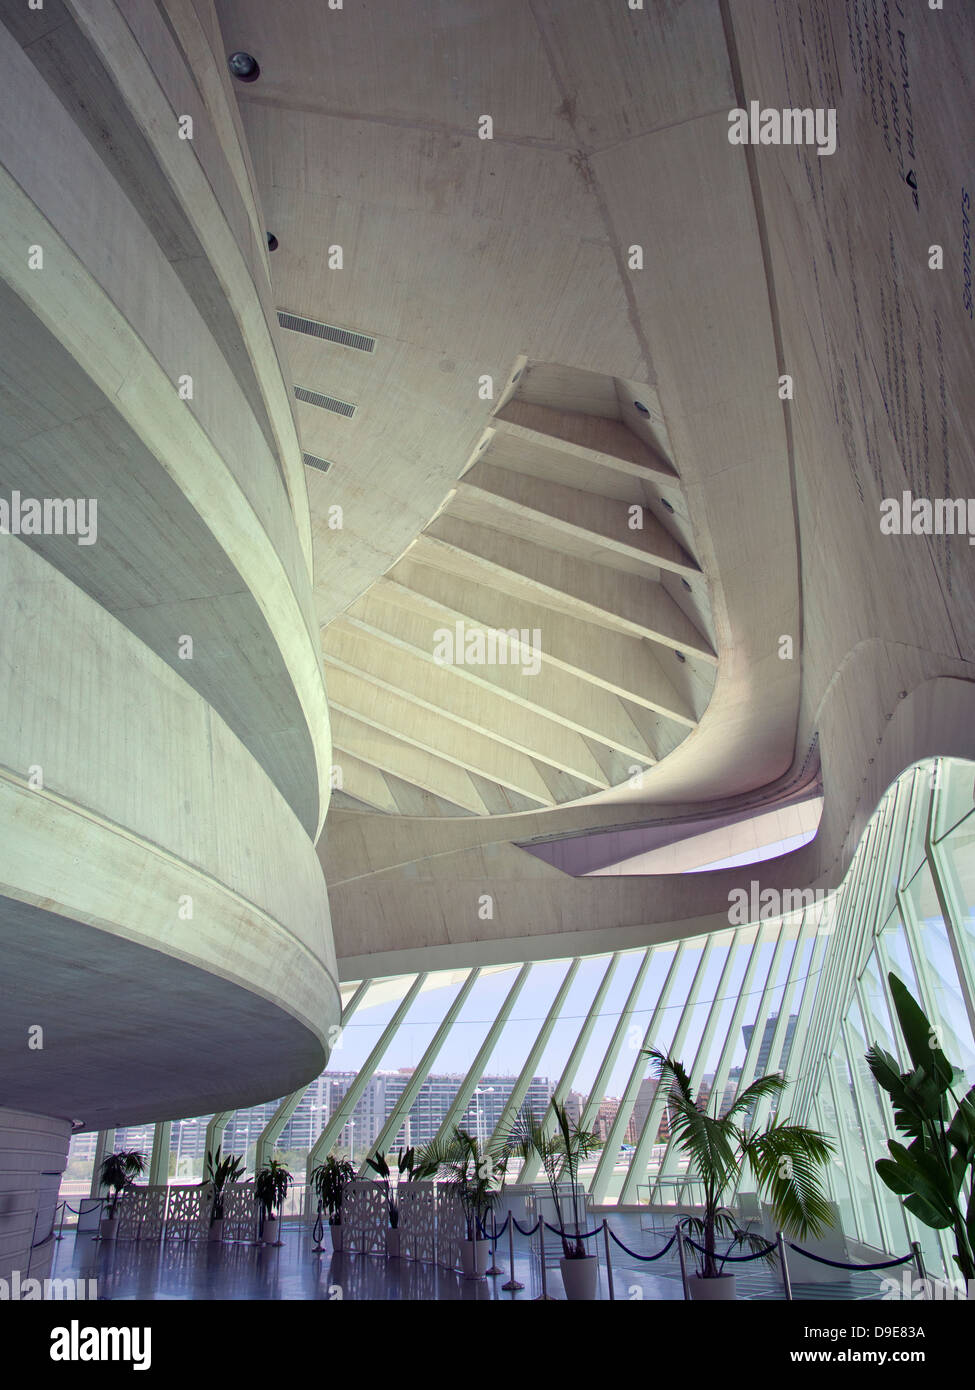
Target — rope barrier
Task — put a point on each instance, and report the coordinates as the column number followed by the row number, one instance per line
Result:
column 519, row 1227
column 732, row 1259
column 633, row 1253
column 841, row 1264
column 574, row 1235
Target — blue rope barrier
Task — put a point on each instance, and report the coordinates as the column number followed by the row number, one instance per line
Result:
column 574, row 1235
column 633, row 1253
column 521, row 1229
column 494, row 1235
column 841, row 1264
column 733, row 1259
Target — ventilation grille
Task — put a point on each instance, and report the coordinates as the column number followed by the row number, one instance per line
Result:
column 313, row 461
column 324, row 402
column 361, row 341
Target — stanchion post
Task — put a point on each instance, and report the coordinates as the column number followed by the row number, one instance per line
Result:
column 786, row 1281
column 495, row 1268
column 683, row 1262
column 512, row 1285
column 543, row 1296
column 609, row 1264
column 919, row 1264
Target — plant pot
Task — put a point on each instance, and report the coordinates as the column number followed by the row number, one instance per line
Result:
column 579, row 1278
column 392, row 1243
column 216, row 1229
column 474, row 1256
column 718, row 1290
column 108, row 1227
column 270, row 1235
column 337, row 1242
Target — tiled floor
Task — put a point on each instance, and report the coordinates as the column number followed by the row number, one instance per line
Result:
column 197, row 1270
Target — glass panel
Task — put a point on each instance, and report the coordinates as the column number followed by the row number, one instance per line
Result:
column 959, row 852
column 957, row 799
column 854, row 1157
column 939, row 969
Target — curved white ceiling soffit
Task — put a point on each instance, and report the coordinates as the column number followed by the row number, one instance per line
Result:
column 548, row 636
column 461, row 256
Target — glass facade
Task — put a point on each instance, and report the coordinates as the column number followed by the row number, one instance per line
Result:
column 804, row 993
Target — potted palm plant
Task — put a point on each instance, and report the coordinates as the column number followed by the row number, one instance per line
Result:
column 787, row 1162
column 933, row 1171
column 475, row 1174
column 561, row 1152
column 220, row 1173
column 330, row 1179
column 118, row 1172
column 270, row 1190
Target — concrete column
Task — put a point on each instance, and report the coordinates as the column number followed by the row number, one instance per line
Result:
column 33, row 1155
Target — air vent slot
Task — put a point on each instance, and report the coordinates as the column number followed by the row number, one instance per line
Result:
column 313, row 461
column 324, row 402
column 295, row 324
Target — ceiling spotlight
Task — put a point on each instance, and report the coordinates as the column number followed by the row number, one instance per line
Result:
column 680, row 657
column 244, row 67
column 684, row 582
column 668, row 505
column 272, row 242
column 641, row 408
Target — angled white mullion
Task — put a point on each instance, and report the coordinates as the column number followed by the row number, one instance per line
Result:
column 215, row 1131
column 950, row 900
column 422, row 1070
column 803, row 933
column 462, row 1099
column 731, row 1039
column 800, row 1040
column 514, row 1102
column 761, row 1016
column 652, row 1122
column 271, row 1132
column 884, row 1105
column 159, row 1157
column 529, row 1169
column 700, row 1057
column 601, row 1081
column 354, row 1094
column 607, row 1159
column 848, row 1165
column 859, row 1106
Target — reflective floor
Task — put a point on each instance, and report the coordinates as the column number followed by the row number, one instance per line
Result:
column 177, row 1269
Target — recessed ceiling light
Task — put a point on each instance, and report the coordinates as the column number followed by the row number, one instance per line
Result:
column 272, row 242
column 684, row 582
column 641, row 408
column 244, row 67
column 680, row 657
column 667, row 504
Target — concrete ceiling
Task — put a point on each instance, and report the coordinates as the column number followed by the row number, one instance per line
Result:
column 511, row 259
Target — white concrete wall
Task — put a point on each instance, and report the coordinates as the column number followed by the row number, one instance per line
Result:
column 33, row 1155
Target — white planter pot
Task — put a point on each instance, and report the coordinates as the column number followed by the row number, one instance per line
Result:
column 579, row 1278
column 719, row 1290
column 270, row 1236
column 108, row 1227
column 392, row 1243
column 337, row 1245
column 474, row 1256
column 216, row 1229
